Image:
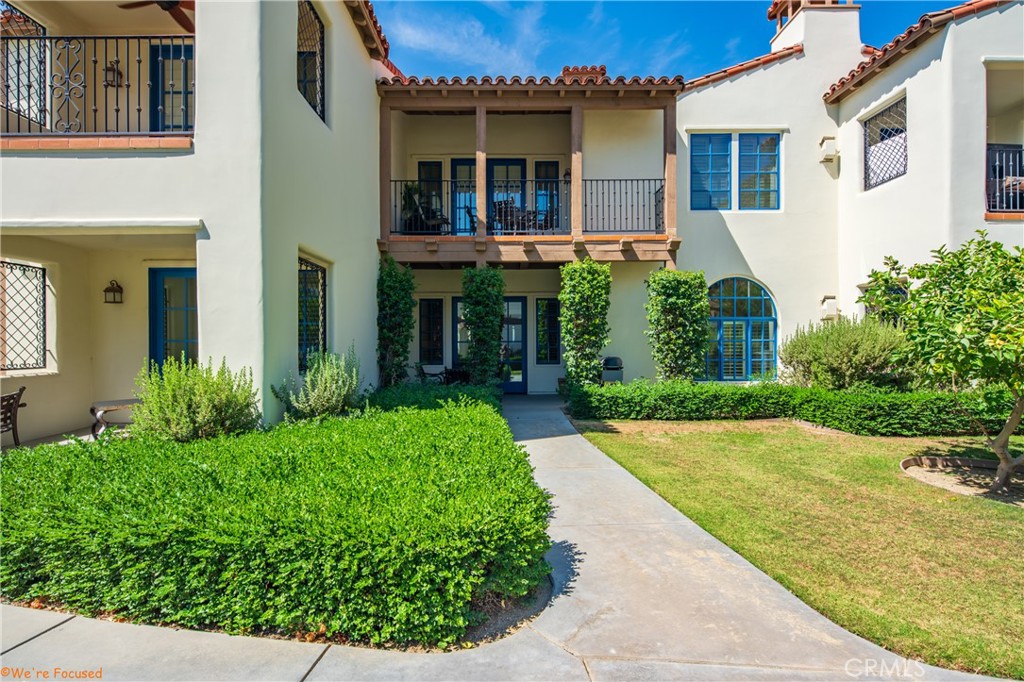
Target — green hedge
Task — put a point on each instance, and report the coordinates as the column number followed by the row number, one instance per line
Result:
column 918, row 413
column 381, row 528
column 431, row 396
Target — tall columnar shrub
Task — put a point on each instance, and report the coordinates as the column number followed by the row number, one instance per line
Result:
column 184, row 401
column 678, row 310
column 844, row 354
column 395, row 321
column 963, row 314
column 584, row 301
column 483, row 310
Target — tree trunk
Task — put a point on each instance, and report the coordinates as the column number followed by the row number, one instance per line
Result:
column 1001, row 446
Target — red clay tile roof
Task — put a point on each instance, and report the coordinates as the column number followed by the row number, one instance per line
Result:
column 776, row 7
column 928, row 25
column 369, row 28
column 743, row 67
column 585, row 75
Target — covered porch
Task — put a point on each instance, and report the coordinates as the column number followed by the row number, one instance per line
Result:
column 83, row 310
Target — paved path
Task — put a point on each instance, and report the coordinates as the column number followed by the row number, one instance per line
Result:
column 640, row 593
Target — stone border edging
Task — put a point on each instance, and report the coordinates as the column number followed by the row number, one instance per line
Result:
column 947, row 463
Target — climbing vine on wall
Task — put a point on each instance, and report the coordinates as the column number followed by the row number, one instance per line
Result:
column 483, row 311
column 677, row 316
column 395, row 320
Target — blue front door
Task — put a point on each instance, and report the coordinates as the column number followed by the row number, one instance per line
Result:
column 171, row 72
column 506, row 196
column 173, row 314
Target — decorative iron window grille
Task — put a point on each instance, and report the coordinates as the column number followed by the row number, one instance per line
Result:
column 885, row 145
column 23, row 64
column 312, row 309
column 310, row 58
column 22, row 316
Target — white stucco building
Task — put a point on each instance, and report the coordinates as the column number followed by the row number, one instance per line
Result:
column 239, row 167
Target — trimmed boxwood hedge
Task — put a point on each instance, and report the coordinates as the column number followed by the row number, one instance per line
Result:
column 380, row 528
column 431, row 396
column 919, row 413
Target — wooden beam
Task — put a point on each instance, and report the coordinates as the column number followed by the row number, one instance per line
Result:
column 481, row 171
column 385, row 171
column 669, row 129
column 576, row 191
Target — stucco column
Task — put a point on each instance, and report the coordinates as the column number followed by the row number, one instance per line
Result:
column 576, row 191
column 481, row 171
column 385, row 171
column 669, row 198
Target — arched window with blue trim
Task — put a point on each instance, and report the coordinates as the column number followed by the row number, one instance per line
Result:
column 743, row 333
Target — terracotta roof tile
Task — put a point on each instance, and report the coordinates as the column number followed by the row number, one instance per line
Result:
column 589, row 75
column 743, row 67
column 926, row 26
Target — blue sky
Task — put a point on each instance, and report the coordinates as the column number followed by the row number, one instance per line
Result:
column 631, row 38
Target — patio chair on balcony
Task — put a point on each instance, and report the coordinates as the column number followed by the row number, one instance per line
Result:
column 513, row 219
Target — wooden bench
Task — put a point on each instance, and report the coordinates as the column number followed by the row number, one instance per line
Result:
column 100, row 409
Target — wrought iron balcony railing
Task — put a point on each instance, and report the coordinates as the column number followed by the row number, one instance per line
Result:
column 98, row 85
column 1004, row 186
column 624, row 206
column 526, row 207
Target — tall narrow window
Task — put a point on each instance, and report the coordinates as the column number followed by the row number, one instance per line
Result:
column 312, row 309
column 885, row 145
column 431, row 331
column 172, row 73
column 742, row 343
column 22, row 316
column 710, row 172
column 548, row 191
column 759, row 171
column 310, row 60
column 549, row 332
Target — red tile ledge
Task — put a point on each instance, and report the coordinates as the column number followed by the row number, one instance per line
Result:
column 79, row 142
column 1015, row 217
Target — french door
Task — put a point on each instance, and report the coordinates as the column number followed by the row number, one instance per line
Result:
column 173, row 314
column 511, row 367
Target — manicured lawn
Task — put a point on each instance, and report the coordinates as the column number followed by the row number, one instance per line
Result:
column 921, row 571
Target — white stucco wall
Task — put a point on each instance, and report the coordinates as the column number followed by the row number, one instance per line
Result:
column 320, row 191
column 941, row 198
column 59, row 396
column 217, row 183
column 791, row 251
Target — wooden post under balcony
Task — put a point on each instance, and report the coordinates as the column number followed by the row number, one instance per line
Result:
column 576, row 193
column 385, row 171
column 481, row 171
column 670, row 170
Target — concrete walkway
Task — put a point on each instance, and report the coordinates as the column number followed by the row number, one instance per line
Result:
column 640, row 593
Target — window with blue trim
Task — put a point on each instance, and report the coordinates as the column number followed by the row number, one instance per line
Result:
column 759, row 171
column 710, row 172
column 742, row 344
column 549, row 332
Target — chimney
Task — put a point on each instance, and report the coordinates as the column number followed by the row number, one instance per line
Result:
column 801, row 21
column 585, row 74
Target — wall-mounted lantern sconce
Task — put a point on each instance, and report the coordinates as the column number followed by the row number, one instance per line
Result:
column 567, row 176
column 112, row 76
column 113, row 293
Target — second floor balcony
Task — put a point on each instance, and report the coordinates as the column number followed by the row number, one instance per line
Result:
column 526, row 207
column 98, row 85
column 60, row 78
